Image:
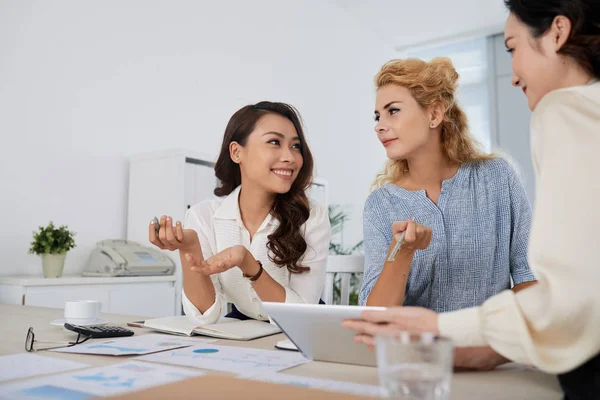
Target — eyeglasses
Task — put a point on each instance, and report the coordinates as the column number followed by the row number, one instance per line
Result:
column 30, row 341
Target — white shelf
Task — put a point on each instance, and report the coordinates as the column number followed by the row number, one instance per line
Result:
column 81, row 280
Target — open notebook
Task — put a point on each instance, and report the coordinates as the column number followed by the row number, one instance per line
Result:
column 226, row 328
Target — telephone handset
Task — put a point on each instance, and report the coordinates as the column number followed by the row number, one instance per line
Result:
column 113, row 254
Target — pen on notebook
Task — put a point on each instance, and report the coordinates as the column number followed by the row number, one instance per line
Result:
column 396, row 249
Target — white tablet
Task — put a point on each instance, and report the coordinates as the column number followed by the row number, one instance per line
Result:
column 317, row 331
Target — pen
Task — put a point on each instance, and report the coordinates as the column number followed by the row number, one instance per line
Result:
column 396, row 249
column 156, row 226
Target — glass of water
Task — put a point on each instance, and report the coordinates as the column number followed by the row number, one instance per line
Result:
column 414, row 366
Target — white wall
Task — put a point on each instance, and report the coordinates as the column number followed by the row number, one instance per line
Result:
column 411, row 23
column 470, row 59
column 85, row 84
column 512, row 115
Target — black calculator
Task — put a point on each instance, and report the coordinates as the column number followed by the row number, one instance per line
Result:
column 100, row 331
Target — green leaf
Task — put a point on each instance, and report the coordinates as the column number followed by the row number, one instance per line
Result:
column 52, row 240
column 337, row 217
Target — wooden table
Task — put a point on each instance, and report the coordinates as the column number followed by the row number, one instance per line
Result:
column 508, row 382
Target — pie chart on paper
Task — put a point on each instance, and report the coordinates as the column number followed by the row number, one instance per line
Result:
column 206, row 351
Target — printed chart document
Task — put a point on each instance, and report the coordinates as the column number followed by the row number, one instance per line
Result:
column 132, row 345
column 239, row 360
column 25, row 365
column 94, row 382
column 321, row 384
column 227, row 328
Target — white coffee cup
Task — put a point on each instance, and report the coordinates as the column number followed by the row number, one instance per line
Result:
column 82, row 311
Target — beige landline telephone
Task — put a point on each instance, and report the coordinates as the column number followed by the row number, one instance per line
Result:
column 127, row 258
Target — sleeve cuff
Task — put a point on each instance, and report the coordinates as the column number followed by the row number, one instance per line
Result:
column 210, row 316
column 520, row 277
column 463, row 327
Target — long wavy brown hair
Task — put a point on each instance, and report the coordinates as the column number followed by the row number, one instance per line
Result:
column 291, row 209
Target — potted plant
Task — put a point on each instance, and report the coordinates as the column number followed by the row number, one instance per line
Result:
column 338, row 254
column 52, row 244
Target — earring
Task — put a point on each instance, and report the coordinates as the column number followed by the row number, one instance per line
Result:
column 432, row 125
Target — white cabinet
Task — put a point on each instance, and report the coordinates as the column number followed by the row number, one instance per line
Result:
column 202, row 181
column 152, row 296
column 166, row 183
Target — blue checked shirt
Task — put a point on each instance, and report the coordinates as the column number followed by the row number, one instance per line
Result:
column 480, row 232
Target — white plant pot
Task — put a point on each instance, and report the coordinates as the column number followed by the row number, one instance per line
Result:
column 53, row 265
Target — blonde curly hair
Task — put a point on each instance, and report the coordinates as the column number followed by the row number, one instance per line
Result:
column 429, row 83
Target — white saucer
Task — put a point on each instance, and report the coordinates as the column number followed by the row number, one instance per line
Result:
column 61, row 322
column 286, row 345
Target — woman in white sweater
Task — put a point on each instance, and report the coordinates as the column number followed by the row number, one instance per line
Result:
column 555, row 324
column 261, row 240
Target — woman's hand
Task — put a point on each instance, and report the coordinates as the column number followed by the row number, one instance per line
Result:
column 231, row 257
column 417, row 236
column 477, row 358
column 172, row 238
column 396, row 319
column 417, row 320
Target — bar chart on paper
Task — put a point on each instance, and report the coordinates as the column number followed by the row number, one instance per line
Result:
column 94, row 382
column 134, row 345
column 229, row 359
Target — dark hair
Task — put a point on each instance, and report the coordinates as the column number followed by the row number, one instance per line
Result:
column 292, row 209
column 583, row 44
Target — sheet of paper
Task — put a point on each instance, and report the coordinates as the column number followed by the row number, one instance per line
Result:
column 132, row 345
column 25, row 365
column 321, row 384
column 102, row 381
column 175, row 325
column 240, row 330
column 229, row 359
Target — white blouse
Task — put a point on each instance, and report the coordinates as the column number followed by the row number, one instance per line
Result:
column 554, row 325
column 219, row 226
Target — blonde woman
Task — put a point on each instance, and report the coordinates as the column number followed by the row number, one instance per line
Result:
column 465, row 213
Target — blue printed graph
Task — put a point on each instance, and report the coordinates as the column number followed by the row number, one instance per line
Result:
column 229, row 359
column 121, row 349
column 164, row 344
column 126, row 384
column 106, row 381
column 206, row 351
column 53, row 392
column 99, row 377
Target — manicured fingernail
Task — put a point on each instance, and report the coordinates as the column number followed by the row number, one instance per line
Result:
column 152, row 222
